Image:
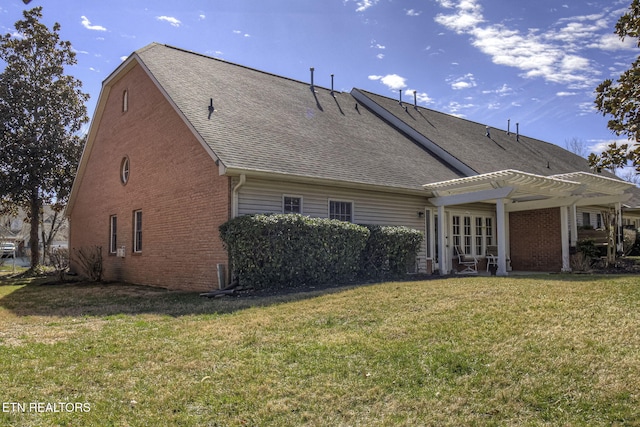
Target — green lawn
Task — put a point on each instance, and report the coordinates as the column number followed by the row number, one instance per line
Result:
column 540, row 350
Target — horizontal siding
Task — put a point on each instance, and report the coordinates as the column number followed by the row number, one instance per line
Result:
column 369, row 207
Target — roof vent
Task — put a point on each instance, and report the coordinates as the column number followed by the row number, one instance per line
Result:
column 331, row 84
column 415, row 99
column 211, row 109
column 400, row 100
column 518, row 132
column 508, row 126
column 312, row 69
column 488, row 134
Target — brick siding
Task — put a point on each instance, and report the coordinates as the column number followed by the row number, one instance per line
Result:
column 535, row 241
column 173, row 181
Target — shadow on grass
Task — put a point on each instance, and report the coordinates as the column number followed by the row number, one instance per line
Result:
column 45, row 297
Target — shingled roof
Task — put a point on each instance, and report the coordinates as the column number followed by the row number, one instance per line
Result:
column 268, row 123
column 467, row 141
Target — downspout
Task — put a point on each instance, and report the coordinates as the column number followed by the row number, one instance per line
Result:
column 234, row 195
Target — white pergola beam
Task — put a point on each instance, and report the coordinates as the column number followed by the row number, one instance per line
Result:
column 472, row 197
column 541, row 204
column 603, row 200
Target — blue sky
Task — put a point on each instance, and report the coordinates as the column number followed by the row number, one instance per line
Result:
column 536, row 63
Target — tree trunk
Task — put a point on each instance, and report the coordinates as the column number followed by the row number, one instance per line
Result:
column 35, row 224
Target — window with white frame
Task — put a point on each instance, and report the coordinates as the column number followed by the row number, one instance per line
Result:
column 341, row 210
column 472, row 233
column 113, row 234
column 292, row 204
column 137, row 231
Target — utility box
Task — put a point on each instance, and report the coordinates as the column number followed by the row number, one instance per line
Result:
column 120, row 252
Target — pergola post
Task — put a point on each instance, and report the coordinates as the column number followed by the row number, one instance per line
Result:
column 564, row 236
column 443, row 253
column 501, row 219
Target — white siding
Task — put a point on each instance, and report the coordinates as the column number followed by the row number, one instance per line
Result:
column 368, row 207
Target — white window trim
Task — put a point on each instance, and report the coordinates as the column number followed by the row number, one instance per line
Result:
column 473, row 215
column 353, row 208
column 136, row 249
column 113, row 248
column 293, row 196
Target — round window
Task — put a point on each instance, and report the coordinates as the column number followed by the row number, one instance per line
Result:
column 124, row 170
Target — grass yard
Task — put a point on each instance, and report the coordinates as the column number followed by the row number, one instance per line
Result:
column 539, row 350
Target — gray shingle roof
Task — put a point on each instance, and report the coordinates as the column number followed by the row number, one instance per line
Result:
column 264, row 122
column 467, row 141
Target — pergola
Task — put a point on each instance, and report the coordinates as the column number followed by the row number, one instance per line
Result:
column 513, row 191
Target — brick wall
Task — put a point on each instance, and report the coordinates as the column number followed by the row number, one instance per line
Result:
column 534, row 238
column 173, row 181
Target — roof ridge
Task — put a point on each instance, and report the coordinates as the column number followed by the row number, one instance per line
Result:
column 246, row 67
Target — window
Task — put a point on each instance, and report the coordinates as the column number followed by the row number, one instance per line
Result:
column 488, row 231
column 124, row 170
column 292, row 204
column 598, row 220
column 342, row 211
column 137, row 231
column 113, row 234
column 125, row 101
column 472, row 234
column 586, row 218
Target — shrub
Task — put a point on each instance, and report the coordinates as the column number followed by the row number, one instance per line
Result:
column 89, row 260
column 389, row 251
column 291, row 249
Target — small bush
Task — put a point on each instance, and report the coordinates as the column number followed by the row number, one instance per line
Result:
column 90, row 262
column 290, row 250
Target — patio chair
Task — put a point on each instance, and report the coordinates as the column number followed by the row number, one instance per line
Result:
column 469, row 262
column 492, row 257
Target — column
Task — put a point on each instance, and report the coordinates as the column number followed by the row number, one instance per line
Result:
column 443, row 253
column 501, row 220
column 564, row 236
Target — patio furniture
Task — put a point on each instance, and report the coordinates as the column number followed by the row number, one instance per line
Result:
column 469, row 262
column 492, row 257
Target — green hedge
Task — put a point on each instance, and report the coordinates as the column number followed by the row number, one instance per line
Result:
column 389, row 251
column 290, row 250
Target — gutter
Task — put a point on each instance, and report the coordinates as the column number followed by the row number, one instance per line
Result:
column 234, row 195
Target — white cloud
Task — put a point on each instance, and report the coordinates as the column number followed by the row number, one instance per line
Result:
column 563, row 94
column 380, row 56
column 504, row 90
column 421, row 97
column 554, row 55
column 413, row 12
column 363, row 4
column 175, row 22
column 87, row 24
column 465, row 82
column 612, row 42
column 392, row 81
